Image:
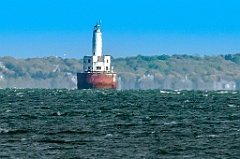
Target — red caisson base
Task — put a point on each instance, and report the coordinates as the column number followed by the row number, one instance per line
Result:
column 96, row 80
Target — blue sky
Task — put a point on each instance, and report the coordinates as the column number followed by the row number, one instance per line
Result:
column 38, row 28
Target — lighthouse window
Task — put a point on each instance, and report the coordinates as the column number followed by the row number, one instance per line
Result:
column 107, row 61
column 106, row 67
column 98, row 67
column 89, row 61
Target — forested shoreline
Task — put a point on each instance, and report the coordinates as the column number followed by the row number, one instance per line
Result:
column 191, row 72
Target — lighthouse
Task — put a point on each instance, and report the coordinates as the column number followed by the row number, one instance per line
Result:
column 97, row 72
column 97, row 62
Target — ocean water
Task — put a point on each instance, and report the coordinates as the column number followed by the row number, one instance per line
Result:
column 89, row 124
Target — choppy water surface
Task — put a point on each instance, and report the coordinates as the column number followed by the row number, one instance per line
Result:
column 37, row 123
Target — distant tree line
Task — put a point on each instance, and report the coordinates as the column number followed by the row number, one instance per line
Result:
column 138, row 72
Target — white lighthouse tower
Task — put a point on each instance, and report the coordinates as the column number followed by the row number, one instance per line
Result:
column 97, row 41
column 97, row 62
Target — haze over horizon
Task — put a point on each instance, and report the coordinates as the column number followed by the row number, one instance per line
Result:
column 57, row 27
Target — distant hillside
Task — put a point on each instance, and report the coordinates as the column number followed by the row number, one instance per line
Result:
column 47, row 72
column 140, row 72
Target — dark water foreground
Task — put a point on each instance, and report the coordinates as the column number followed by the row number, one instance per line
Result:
column 37, row 123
